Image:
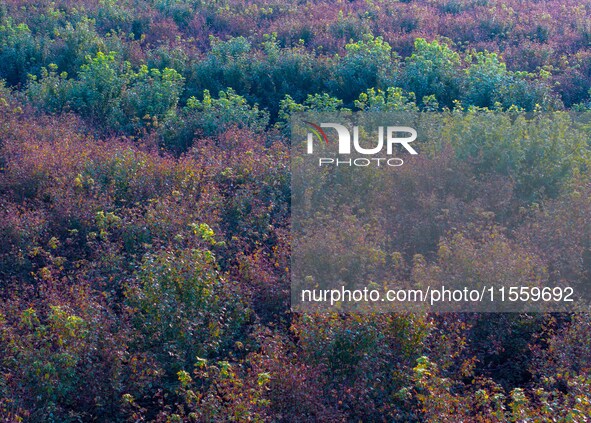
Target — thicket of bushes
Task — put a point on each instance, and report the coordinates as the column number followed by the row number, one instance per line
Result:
column 144, row 209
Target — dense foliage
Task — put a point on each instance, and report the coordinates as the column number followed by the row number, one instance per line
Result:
column 144, row 209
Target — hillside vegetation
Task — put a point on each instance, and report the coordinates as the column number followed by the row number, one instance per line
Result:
column 145, row 209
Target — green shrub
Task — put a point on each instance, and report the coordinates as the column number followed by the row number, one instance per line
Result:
column 528, row 92
column 211, row 117
column 484, row 79
column 266, row 80
column 394, row 99
column 368, row 63
column 74, row 43
column 488, row 83
column 229, row 109
column 21, row 53
column 228, row 64
column 432, row 69
column 150, row 98
column 539, row 153
column 111, row 93
column 317, row 102
column 182, row 307
column 52, row 91
column 99, row 86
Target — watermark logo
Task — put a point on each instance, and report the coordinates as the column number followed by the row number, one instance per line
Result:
column 349, row 141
